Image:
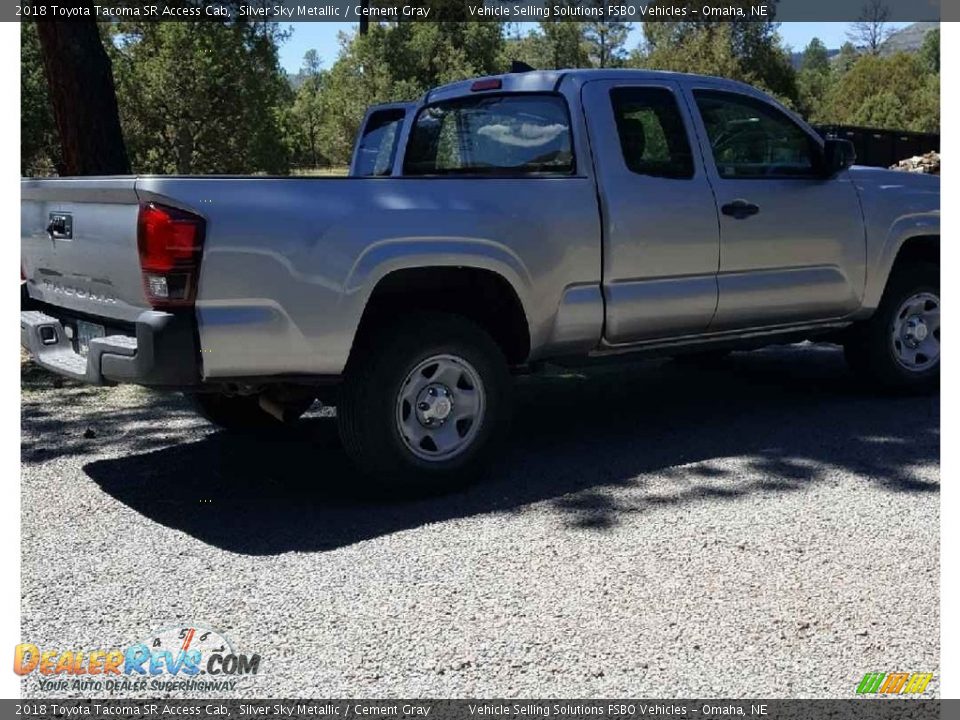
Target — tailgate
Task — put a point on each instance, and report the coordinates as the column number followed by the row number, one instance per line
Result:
column 78, row 245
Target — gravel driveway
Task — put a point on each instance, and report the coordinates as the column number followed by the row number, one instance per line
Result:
column 761, row 528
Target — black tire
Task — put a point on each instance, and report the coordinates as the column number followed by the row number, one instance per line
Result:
column 869, row 347
column 240, row 413
column 370, row 403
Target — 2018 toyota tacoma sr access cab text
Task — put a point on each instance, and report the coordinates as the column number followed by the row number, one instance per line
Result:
column 493, row 225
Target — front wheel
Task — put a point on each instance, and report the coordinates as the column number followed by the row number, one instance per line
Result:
column 899, row 347
column 424, row 402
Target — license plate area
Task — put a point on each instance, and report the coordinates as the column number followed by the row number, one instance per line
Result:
column 87, row 331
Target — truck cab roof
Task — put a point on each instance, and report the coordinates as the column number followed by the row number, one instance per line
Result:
column 550, row 80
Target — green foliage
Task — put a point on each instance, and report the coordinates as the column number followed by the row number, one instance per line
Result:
column 886, row 92
column 566, row 45
column 815, row 57
column 400, row 62
column 813, row 79
column 533, row 48
column 930, row 51
column 845, row 60
column 898, row 92
column 701, row 50
column 211, row 97
column 554, row 45
column 304, row 120
column 748, row 51
column 557, row 45
column 39, row 142
column 606, row 42
column 204, row 97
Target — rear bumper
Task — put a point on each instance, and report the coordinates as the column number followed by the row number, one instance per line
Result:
column 161, row 350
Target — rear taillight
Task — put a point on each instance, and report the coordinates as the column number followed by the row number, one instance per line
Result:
column 171, row 246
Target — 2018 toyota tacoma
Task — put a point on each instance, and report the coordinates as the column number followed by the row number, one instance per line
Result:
column 495, row 224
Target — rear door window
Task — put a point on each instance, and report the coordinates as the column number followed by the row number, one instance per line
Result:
column 652, row 135
column 492, row 135
column 378, row 144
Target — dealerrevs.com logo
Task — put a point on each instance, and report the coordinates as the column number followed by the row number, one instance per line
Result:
column 193, row 658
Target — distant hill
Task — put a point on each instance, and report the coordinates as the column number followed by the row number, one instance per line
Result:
column 907, row 39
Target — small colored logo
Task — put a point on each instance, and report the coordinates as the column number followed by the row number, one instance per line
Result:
column 185, row 652
column 895, row 683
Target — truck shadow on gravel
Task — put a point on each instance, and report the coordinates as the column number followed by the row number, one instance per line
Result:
column 596, row 447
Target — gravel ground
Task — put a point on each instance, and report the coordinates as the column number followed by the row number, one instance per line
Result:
column 762, row 528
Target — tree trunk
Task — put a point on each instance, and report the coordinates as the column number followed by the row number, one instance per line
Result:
column 364, row 19
column 80, row 78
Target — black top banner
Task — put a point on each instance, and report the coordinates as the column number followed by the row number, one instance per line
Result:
column 475, row 10
column 623, row 709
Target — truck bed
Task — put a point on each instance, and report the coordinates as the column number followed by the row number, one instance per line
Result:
column 288, row 263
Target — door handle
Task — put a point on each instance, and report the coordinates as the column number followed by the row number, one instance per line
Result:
column 740, row 209
column 60, row 226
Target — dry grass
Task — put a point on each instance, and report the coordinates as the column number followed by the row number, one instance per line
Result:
column 336, row 171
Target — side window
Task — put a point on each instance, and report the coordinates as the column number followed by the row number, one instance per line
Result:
column 752, row 139
column 378, row 145
column 652, row 136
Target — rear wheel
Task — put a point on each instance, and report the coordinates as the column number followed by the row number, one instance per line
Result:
column 423, row 403
column 899, row 347
column 243, row 413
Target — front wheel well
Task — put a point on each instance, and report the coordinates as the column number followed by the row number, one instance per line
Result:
column 922, row 248
column 483, row 296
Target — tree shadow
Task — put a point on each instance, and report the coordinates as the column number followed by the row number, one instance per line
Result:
column 596, row 446
column 50, row 433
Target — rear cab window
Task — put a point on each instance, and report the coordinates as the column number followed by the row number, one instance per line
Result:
column 492, row 135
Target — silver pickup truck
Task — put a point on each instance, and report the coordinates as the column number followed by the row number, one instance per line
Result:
column 496, row 224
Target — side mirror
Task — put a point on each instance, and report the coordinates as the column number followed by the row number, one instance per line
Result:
column 838, row 155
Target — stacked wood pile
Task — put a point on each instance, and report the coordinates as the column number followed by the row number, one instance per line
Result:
column 928, row 163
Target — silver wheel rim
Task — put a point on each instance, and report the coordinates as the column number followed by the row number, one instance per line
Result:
column 915, row 335
column 440, row 407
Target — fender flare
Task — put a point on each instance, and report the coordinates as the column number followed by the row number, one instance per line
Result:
column 901, row 231
column 388, row 256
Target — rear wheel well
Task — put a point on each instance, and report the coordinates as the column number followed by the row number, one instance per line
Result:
column 923, row 248
column 483, row 296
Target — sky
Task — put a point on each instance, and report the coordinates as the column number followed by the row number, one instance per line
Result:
column 322, row 36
